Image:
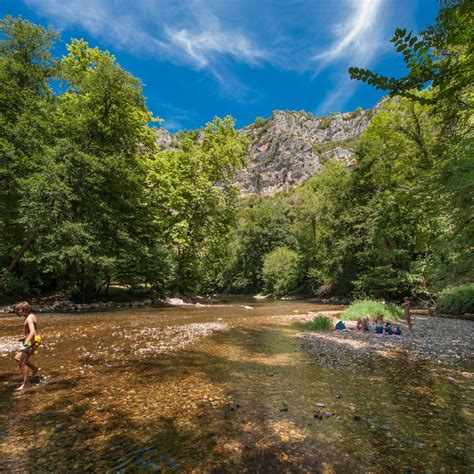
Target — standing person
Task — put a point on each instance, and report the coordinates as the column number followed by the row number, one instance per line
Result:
column 30, row 343
column 406, row 305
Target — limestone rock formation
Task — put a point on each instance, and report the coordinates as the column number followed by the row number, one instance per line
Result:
column 289, row 147
column 164, row 138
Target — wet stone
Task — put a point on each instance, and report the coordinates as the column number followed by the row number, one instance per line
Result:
column 171, row 388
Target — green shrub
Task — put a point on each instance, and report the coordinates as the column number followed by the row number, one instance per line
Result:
column 324, row 122
column 12, row 286
column 373, row 308
column 319, row 323
column 457, row 300
column 260, row 122
column 280, row 271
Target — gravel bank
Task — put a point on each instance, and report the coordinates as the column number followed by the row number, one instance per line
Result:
column 150, row 341
column 139, row 342
column 8, row 345
column 439, row 340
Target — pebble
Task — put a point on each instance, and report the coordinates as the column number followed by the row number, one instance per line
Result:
column 433, row 339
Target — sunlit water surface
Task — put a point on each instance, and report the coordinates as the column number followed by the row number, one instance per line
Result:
column 161, row 390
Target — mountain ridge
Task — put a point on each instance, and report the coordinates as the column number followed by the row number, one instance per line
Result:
column 289, row 147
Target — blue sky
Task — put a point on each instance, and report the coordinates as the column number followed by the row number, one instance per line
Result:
column 246, row 58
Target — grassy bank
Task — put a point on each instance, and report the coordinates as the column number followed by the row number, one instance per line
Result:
column 372, row 308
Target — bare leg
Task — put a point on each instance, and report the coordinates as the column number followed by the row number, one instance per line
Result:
column 408, row 319
column 22, row 358
column 33, row 367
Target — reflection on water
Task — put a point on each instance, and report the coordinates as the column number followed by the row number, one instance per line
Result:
column 223, row 389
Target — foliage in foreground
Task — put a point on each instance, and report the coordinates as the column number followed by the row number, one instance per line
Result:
column 457, row 300
column 319, row 323
column 372, row 308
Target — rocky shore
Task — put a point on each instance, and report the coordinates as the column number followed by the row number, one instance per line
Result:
column 68, row 306
column 434, row 339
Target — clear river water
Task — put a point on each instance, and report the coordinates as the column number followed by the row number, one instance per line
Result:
column 225, row 388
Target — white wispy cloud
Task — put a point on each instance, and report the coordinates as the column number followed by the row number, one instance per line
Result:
column 356, row 36
column 216, row 37
column 207, row 38
column 357, row 39
column 180, row 31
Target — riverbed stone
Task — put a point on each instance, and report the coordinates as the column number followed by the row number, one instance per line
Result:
column 435, row 339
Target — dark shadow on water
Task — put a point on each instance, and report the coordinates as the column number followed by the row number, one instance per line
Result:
column 259, row 371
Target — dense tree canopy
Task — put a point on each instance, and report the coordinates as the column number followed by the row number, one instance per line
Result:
column 88, row 200
column 84, row 187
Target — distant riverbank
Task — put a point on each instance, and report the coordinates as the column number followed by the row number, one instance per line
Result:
column 64, row 305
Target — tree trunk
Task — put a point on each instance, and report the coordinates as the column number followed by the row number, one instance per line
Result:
column 107, row 287
column 20, row 253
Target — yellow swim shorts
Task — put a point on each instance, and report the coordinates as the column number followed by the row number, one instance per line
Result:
column 35, row 343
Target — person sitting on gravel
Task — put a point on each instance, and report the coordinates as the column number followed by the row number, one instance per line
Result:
column 340, row 326
column 365, row 324
column 379, row 328
column 388, row 330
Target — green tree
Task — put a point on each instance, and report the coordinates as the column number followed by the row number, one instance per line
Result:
column 280, row 271
column 265, row 223
column 396, row 215
column 87, row 202
column 194, row 200
column 102, row 109
column 320, row 227
column 26, row 124
column 441, row 57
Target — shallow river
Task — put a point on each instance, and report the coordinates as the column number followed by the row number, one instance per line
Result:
column 222, row 389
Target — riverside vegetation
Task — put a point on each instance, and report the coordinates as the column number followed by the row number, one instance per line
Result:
column 89, row 200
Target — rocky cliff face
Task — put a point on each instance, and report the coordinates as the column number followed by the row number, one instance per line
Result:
column 289, row 147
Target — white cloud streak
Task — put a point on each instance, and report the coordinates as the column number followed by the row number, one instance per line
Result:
column 207, row 39
column 201, row 42
column 357, row 41
column 355, row 35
